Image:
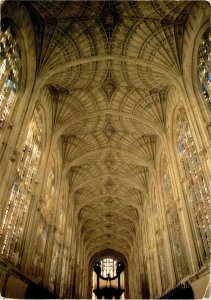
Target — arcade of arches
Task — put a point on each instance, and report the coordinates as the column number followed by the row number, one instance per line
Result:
column 105, row 147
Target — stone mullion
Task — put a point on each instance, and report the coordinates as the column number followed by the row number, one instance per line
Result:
column 59, row 267
column 63, row 242
column 167, row 241
column 37, row 215
column 206, row 168
column 13, row 141
column 8, row 168
column 200, row 135
column 67, row 279
column 60, row 243
column 16, row 222
column 149, row 276
column 78, row 269
column 19, row 220
column 147, row 249
column 73, row 260
column 9, row 176
column 86, row 276
column 145, row 253
column 65, row 283
column 6, row 96
column 30, row 235
column 26, row 225
column 48, row 254
column 6, row 196
column 155, row 250
column 140, row 252
column 50, row 240
column 72, row 246
column 195, row 222
column 25, row 250
column 5, row 75
column 196, row 120
column 67, row 274
column 82, row 275
column 14, row 138
column 85, row 280
column 183, row 210
column 64, row 266
column 80, row 256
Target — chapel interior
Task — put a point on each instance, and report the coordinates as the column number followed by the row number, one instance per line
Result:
column 105, row 149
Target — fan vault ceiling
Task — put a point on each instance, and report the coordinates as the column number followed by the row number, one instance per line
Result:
column 110, row 67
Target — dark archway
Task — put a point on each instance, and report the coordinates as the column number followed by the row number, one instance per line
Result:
column 113, row 254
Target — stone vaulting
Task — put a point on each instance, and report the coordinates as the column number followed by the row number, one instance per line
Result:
column 110, row 94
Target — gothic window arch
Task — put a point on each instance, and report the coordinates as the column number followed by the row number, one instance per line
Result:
column 197, row 188
column 10, row 73
column 13, row 223
column 204, row 67
column 173, row 223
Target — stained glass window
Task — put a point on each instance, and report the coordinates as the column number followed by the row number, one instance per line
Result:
column 10, row 68
column 204, row 67
column 44, row 223
column 174, row 227
column 13, row 223
column 108, row 267
column 197, row 186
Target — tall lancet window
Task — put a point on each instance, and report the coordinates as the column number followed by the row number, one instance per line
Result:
column 13, row 223
column 196, row 184
column 173, row 222
column 10, row 68
column 44, row 222
column 204, row 67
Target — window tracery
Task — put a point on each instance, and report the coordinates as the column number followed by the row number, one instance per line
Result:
column 198, row 190
column 10, row 70
column 108, row 267
column 44, row 223
column 173, row 222
column 13, row 223
column 204, row 67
